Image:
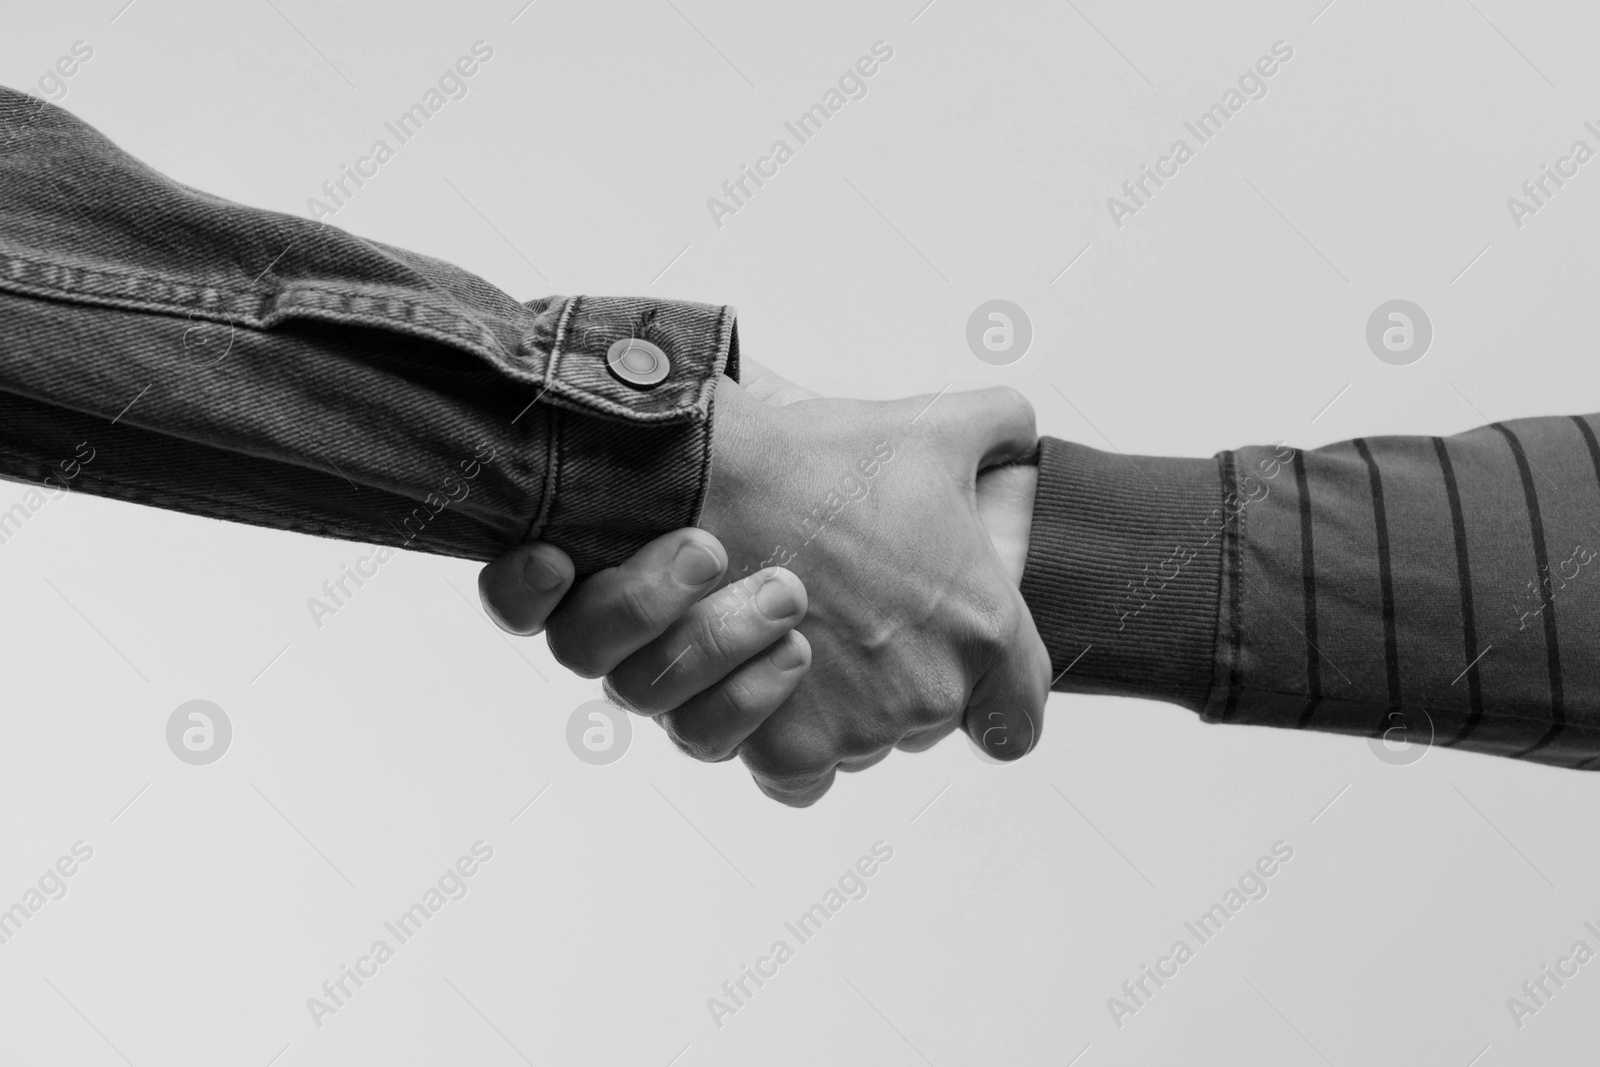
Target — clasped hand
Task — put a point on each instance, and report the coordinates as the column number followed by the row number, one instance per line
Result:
column 875, row 550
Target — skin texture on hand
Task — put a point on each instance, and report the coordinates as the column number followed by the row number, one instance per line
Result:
column 1005, row 504
column 655, row 626
column 914, row 618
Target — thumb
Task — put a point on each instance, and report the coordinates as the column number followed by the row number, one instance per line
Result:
column 985, row 427
column 521, row 588
column 1006, row 713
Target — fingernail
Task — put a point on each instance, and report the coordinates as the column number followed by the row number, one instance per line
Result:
column 774, row 599
column 695, row 565
column 789, row 655
column 539, row 575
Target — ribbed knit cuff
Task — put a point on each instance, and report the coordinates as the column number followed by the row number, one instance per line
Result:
column 1124, row 571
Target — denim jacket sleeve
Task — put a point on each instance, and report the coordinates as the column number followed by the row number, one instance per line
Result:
column 247, row 365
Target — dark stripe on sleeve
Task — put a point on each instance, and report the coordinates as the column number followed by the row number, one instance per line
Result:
column 1231, row 550
column 1391, row 643
column 1469, row 625
column 1308, row 575
column 1589, row 440
column 1594, row 461
column 1541, row 559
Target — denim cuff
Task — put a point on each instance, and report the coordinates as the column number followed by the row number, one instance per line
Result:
column 627, row 464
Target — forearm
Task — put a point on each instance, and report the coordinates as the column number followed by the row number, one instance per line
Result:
column 1424, row 583
column 262, row 368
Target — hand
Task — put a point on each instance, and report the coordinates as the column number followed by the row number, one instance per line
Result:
column 1005, row 504
column 649, row 626
column 916, row 622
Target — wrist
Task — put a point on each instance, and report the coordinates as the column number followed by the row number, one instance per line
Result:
column 1005, row 505
column 1125, row 557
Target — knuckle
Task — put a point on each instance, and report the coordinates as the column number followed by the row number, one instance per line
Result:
column 946, row 707
column 991, row 631
column 794, row 798
column 861, row 763
column 674, row 729
column 641, row 612
column 739, row 698
column 692, row 739
column 654, row 680
column 922, row 740
column 785, row 759
column 1020, row 407
column 715, row 636
column 699, row 734
column 621, row 696
column 868, row 734
column 940, row 701
column 572, row 652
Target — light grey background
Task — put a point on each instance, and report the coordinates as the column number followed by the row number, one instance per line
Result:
column 369, row 754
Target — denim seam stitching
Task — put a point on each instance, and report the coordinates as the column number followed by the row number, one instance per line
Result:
column 552, row 478
column 709, row 395
column 27, row 276
column 553, row 364
column 552, row 471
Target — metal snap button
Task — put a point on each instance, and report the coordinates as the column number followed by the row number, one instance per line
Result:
column 638, row 362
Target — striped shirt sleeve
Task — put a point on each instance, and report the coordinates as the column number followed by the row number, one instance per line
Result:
column 1448, row 588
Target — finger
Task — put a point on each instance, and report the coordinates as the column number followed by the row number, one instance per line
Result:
column 710, row 725
column 922, row 740
column 986, row 426
column 851, row 766
column 1007, row 708
column 796, row 793
column 521, row 588
column 793, row 758
column 710, row 641
column 614, row 613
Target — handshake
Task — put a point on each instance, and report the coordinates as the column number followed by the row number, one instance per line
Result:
column 853, row 588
